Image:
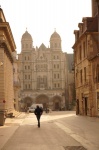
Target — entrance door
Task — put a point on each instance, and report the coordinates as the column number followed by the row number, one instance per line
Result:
column 77, row 107
column 86, row 106
column 98, row 104
column 56, row 106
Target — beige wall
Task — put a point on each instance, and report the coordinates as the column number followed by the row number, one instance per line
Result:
column 7, row 46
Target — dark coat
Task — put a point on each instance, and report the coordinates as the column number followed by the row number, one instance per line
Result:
column 38, row 111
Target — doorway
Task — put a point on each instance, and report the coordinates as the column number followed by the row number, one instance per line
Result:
column 86, row 106
column 77, row 107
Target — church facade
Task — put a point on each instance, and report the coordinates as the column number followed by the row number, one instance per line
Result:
column 42, row 73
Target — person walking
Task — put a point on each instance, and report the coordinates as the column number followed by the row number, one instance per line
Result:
column 38, row 112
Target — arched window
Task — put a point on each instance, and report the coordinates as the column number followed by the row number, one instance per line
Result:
column 57, row 65
column 58, row 85
column 54, row 85
column 55, row 44
column 28, row 76
column 25, row 76
column 25, row 86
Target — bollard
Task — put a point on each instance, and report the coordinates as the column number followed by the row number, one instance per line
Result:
column 2, row 118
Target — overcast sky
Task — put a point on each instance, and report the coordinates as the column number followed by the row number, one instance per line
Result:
column 42, row 17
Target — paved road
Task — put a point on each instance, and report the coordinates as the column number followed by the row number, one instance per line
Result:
column 59, row 131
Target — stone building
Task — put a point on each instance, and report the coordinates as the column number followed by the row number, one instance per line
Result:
column 7, row 46
column 43, row 73
column 71, row 83
column 86, row 57
column 16, row 82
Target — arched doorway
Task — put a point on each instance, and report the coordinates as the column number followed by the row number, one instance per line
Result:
column 57, row 103
column 28, row 101
column 43, row 99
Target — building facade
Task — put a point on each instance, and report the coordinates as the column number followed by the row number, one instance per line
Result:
column 7, row 46
column 16, row 82
column 42, row 73
column 86, row 58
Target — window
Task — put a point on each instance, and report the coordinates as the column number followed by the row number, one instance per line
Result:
column 28, row 76
column 97, row 73
column 55, row 44
column 13, row 70
column 80, row 56
column 25, row 86
column 55, row 85
column 57, row 65
column 84, row 53
column 85, row 74
column 54, row 57
column 58, row 76
column 58, row 85
column 81, row 76
column 25, row 67
column 55, row 76
column 29, row 86
column 25, row 76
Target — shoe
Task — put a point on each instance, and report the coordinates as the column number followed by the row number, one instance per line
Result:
column 38, row 125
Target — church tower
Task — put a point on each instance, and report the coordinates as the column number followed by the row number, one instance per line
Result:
column 26, row 42
column 55, row 42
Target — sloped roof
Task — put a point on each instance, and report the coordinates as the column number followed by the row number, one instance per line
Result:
column 42, row 47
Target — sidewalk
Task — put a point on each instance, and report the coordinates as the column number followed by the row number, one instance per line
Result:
column 8, row 129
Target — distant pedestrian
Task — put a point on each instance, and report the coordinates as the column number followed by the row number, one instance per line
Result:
column 38, row 112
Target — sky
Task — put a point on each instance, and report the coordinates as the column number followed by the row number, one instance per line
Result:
column 42, row 17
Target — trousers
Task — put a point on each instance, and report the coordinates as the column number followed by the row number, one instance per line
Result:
column 38, row 119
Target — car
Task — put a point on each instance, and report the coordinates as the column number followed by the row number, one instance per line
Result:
column 33, row 106
column 31, row 109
